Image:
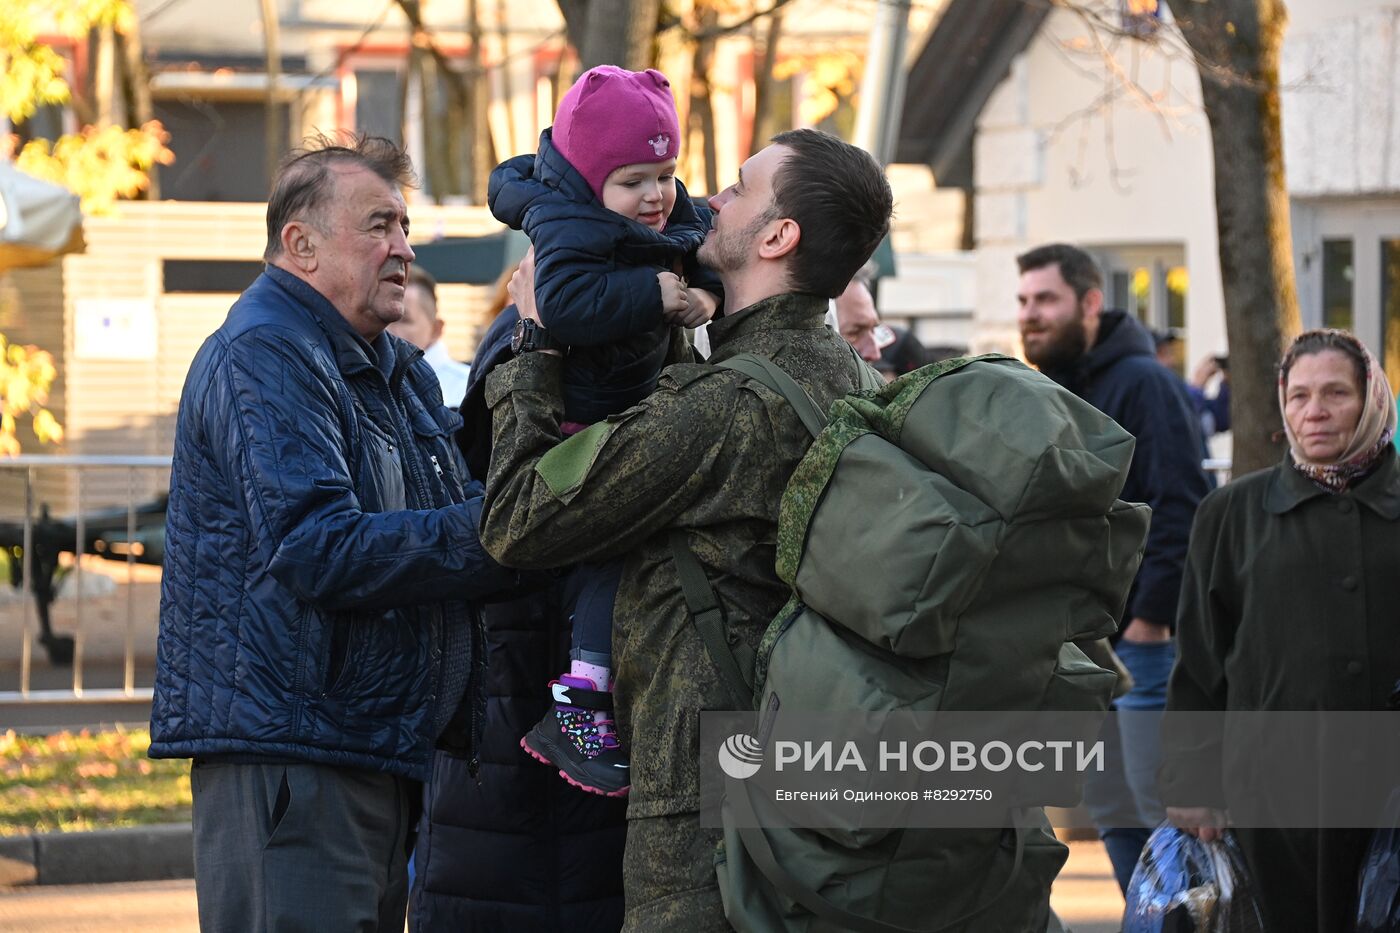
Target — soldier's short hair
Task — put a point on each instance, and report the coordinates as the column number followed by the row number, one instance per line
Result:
column 842, row 202
column 303, row 182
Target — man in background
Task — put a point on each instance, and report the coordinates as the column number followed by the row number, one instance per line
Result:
column 421, row 327
column 856, row 318
column 1108, row 359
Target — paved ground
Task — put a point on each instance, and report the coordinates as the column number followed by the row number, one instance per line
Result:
column 1085, row 897
column 154, row 906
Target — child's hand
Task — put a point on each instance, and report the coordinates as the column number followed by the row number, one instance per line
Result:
column 702, row 307
column 674, row 299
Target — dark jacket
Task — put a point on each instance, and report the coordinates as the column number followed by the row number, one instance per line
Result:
column 514, row 847
column 319, row 548
column 595, row 277
column 1288, row 604
column 1120, row 376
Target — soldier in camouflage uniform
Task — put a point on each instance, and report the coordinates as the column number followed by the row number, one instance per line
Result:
column 708, row 453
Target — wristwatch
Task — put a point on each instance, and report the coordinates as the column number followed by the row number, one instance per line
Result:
column 529, row 335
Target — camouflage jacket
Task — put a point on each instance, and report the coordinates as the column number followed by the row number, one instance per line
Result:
column 708, row 452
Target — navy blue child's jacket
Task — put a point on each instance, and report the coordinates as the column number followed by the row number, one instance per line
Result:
column 595, row 277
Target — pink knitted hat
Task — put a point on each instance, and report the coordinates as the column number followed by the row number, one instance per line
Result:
column 612, row 117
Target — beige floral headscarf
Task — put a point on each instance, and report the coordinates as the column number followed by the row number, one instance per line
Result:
column 1373, row 431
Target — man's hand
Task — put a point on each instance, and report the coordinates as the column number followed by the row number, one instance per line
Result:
column 674, row 300
column 1143, row 632
column 1205, row 823
column 1205, row 370
column 522, row 287
column 701, row 307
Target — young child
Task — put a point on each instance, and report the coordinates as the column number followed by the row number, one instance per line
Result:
column 613, row 234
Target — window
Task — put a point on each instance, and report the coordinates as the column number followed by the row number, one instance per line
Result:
column 1390, row 311
column 379, row 97
column 1338, row 273
column 218, row 146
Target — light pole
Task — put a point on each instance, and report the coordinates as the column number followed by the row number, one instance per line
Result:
column 882, row 88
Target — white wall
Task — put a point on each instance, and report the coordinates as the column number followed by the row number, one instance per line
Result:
column 1056, row 162
column 1047, row 154
column 1342, row 106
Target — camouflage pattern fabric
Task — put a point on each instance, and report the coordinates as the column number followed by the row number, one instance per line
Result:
column 710, row 452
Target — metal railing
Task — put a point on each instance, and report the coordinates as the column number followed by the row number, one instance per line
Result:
column 121, row 530
column 1219, row 467
column 120, row 537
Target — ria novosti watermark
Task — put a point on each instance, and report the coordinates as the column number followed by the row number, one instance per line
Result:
column 922, row 769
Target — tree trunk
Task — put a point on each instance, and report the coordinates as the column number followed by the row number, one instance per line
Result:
column 478, row 100
column 575, row 13
column 619, row 32
column 1238, row 43
column 136, row 94
column 104, row 67
column 763, row 85
column 702, row 107
column 506, row 90
column 435, row 155
column 272, row 146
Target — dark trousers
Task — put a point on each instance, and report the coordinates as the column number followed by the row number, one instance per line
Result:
column 300, row 847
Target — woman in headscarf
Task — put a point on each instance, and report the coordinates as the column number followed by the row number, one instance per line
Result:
column 1289, row 602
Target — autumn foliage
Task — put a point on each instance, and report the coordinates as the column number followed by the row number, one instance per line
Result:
column 26, row 374
column 100, row 162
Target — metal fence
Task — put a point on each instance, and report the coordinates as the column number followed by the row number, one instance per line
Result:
column 132, row 533
column 129, row 533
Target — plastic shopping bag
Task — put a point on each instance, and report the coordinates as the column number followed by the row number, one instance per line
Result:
column 1183, row 885
column 1378, row 905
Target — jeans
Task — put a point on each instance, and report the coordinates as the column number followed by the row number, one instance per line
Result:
column 1122, row 799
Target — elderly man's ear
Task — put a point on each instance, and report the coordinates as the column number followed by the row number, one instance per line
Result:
column 299, row 245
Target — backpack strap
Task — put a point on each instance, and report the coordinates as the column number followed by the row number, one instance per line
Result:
column 764, row 371
column 755, row 843
column 700, row 597
column 708, row 619
column 867, row 376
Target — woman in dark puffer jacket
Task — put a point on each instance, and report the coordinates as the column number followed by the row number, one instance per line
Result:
column 508, row 847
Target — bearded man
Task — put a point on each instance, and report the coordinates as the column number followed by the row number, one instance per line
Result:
column 1108, row 358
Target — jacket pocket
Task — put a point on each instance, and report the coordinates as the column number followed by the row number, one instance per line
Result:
column 340, row 646
column 434, row 442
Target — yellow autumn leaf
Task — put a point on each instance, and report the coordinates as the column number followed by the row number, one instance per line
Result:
column 46, row 427
column 26, row 375
column 100, row 165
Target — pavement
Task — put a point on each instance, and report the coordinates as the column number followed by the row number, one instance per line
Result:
column 1085, row 897
column 61, row 894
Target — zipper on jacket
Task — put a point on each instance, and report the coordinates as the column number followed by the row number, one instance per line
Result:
column 476, row 686
column 436, row 466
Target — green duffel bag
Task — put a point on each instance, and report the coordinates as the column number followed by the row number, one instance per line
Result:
column 948, row 538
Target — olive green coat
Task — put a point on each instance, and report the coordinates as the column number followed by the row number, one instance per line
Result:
column 709, row 452
column 1289, row 602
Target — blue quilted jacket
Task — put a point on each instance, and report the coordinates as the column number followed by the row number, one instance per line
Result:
column 321, row 547
column 595, row 277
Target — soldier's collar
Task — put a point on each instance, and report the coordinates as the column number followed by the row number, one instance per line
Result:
column 791, row 311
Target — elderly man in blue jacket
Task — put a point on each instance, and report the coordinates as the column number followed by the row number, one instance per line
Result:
column 1108, row 359
column 316, row 642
